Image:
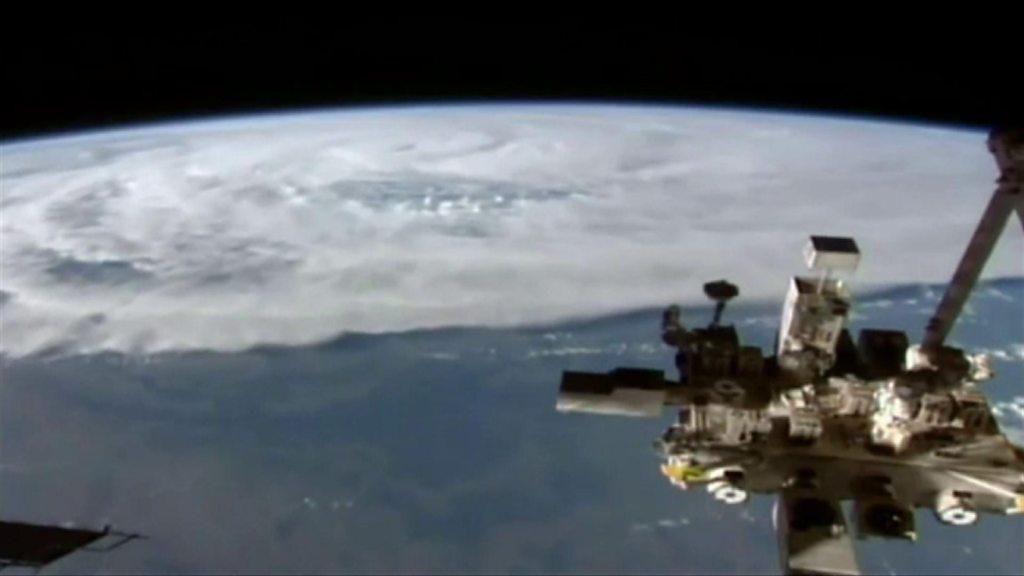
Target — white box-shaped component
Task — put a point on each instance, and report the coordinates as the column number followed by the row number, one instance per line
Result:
column 813, row 317
column 832, row 253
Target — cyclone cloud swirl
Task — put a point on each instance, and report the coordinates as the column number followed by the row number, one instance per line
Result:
column 291, row 229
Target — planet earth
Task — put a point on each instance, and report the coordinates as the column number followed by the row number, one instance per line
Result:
column 331, row 341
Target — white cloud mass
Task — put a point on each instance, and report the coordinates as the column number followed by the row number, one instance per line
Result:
column 292, row 229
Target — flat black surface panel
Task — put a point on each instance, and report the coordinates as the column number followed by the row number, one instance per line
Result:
column 835, row 244
column 37, row 545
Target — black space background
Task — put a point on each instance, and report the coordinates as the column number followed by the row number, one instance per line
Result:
column 70, row 77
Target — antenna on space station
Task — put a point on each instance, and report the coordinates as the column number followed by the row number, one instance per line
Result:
column 720, row 292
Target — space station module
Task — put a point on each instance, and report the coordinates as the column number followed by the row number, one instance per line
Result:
column 816, row 309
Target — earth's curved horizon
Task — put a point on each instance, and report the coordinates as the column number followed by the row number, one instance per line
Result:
column 292, row 229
